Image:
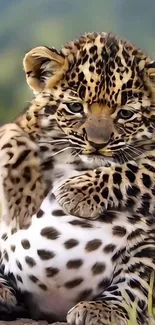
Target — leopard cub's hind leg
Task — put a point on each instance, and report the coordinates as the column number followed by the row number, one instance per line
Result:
column 12, row 305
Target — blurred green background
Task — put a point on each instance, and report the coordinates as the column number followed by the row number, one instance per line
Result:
column 28, row 23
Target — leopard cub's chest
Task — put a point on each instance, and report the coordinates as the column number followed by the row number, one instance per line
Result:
column 60, row 256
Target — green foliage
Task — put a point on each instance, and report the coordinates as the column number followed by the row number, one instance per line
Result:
column 25, row 24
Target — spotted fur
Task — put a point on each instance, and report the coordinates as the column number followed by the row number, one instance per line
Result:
column 89, row 132
column 12, row 304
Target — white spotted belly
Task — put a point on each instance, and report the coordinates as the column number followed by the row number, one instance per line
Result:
column 61, row 259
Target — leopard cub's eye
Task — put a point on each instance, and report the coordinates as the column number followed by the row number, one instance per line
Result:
column 75, row 107
column 124, row 114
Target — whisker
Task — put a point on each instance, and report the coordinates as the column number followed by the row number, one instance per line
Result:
column 62, row 150
column 135, row 152
column 75, row 154
column 122, row 156
column 134, row 149
column 115, row 157
column 54, row 141
column 77, row 146
column 119, row 158
column 73, row 140
column 129, row 156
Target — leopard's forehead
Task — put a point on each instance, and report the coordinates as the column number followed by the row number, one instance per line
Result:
column 105, row 68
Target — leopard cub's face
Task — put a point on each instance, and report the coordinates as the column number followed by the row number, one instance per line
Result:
column 100, row 95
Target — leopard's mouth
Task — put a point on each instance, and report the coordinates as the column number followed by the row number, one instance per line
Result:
column 97, row 160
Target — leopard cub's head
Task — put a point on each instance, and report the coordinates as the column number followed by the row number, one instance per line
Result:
column 97, row 93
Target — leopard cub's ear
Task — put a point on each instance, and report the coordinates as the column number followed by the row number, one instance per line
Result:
column 151, row 71
column 150, row 79
column 44, row 67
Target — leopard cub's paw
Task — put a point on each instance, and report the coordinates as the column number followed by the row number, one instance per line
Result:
column 76, row 198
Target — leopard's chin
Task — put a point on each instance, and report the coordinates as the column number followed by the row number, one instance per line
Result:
column 94, row 161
